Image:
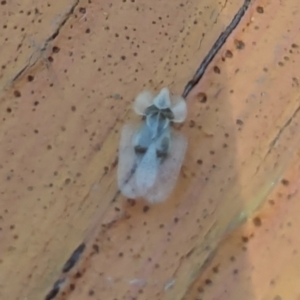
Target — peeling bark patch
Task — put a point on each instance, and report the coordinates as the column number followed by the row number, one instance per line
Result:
column 240, row 45
column 208, row 281
column 216, row 48
column 82, row 10
column 30, row 78
column 146, row 208
column 78, row 275
column 228, row 54
column 257, row 221
column 55, row 49
column 239, row 122
column 96, row 248
column 260, row 9
column 201, row 97
column 217, row 70
column 73, row 258
column 245, row 239
column 17, row 94
column 192, row 124
column 215, row 269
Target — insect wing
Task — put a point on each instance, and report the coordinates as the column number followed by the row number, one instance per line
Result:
column 179, row 109
column 168, row 170
column 142, row 102
column 146, row 172
column 128, row 162
column 162, row 100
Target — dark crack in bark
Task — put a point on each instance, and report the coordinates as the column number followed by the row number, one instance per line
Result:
column 44, row 47
column 201, row 268
column 216, row 47
column 287, row 123
column 277, row 137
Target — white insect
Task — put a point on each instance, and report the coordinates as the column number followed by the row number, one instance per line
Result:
column 151, row 155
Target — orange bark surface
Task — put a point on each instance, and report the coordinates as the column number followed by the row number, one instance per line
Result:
column 69, row 71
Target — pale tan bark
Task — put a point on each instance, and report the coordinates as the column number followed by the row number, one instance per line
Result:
column 229, row 229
